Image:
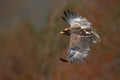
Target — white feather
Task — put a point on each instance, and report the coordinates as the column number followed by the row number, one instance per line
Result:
column 77, row 54
column 82, row 22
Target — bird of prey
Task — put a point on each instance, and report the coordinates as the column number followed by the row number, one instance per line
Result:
column 82, row 35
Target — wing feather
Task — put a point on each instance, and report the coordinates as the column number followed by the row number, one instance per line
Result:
column 72, row 18
column 79, row 48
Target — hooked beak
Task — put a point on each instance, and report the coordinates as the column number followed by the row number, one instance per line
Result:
column 65, row 31
column 61, row 32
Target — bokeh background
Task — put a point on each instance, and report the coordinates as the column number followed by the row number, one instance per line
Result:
column 30, row 43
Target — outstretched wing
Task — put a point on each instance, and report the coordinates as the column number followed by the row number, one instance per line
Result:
column 78, row 48
column 72, row 19
column 94, row 36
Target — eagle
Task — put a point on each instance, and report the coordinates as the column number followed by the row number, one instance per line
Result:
column 81, row 34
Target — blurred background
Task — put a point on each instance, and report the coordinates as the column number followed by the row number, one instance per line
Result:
column 30, row 43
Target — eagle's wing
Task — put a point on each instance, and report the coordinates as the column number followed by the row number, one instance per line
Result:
column 95, row 37
column 72, row 18
column 78, row 48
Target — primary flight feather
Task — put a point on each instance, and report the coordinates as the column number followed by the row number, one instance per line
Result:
column 82, row 35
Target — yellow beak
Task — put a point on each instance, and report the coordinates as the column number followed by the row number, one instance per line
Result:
column 61, row 32
column 65, row 31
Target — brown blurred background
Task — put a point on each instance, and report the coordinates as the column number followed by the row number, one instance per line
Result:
column 30, row 43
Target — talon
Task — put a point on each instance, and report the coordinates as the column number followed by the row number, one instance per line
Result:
column 63, row 60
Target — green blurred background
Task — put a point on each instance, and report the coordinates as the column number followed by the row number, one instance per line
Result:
column 30, row 43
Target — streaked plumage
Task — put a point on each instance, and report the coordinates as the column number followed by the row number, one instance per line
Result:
column 81, row 35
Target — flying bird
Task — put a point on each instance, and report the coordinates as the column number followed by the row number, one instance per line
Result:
column 82, row 35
